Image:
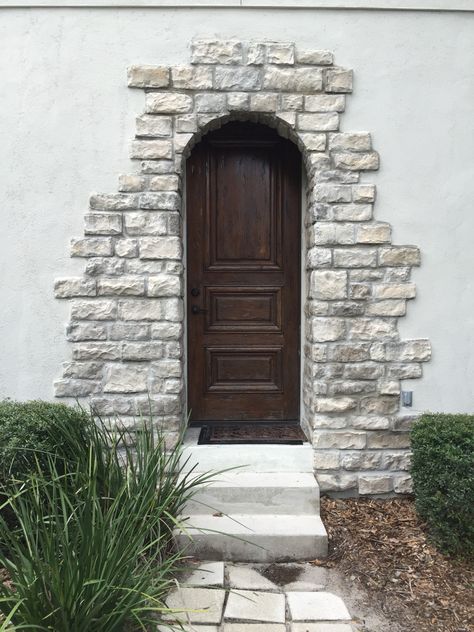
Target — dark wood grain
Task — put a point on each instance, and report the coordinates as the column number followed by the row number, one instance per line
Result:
column 243, row 257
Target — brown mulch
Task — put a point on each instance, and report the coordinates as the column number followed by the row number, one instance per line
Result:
column 383, row 545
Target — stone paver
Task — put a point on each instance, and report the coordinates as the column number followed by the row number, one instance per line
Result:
column 254, row 627
column 320, row 627
column 246, row 577
column 206, row 574
column 311, row 578
column 317, row 606
column 196, row 605
column 250, row 605
column 192, row 627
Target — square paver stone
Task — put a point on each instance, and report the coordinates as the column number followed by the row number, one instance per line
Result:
column 192, row 627
column 247, row 578
column 206, row 574
column 317, row 606
column 320, row 627
column 254, row 627
column 195, row 605
column 249, row 605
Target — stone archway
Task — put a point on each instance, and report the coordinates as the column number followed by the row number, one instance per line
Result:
column 126, row 327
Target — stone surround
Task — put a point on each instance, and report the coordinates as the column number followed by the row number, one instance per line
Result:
column 127, row 310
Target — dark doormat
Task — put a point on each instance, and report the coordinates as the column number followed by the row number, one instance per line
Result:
column 240, row 433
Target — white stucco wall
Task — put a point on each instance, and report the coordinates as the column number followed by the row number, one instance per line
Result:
column 67, row 116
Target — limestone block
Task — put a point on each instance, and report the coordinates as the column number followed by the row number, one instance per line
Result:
column 126, row 248
column 324, row 103
column 327, row 233
column 315, row 57
column 125, row 378
column 160, row 248
column 352, row 212
column 74, row 286
column 282, row 54
column 327, row 329
column 387, row 307
column 213, row 51
column 83, row 370
column 318, row 257
column 335, row 482
column 77, row 332
column 186, row 124
column 96, row 351
column 150, row 309
column 256, row 54
column 404, row 371
column 264, row 102
column 166, row 201
column 129, row 331
column 166, row 331
column 394, row 290
column 167, row 368
column 142, row 351
column 346, row 308
column 96, row 309
column 103, row 224
column 399, row 256
column 157, row 166
column 375, row 484
column 350, row 352
column 92, row 247
column 334, row 405
column 148, row 77
column 391, row 440
column 338, row 80
column 74, row 388
column 350, row 141
column 372, row 329
column 328, row 284
column 237, row 78
column 351, row 387
column 146, row 223
column 210, row 102
column 164, row 183
column 374, row 233
column 320, row 121
column 164, row 285
column 370, row 422
column 192, row 77
column 362, row 161
column 363, row 371
column 131, row 183
column 403, row 484
column 363, row 193
column 354, row 257
column 238, row 101
column 389, row 387
column 104, row 265
column 168, row 103
column 292, row 102
column 172, row 309
column 409, row 351
column 313, row 142
column 326, row 460
column 154, row 126
column 332, row 193
column 359, row 290
column 396, row 460
column 151, row 149
column 381, row 405
column 121, row 286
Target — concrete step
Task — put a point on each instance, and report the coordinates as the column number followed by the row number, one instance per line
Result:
column 253, row 458
column 254, row 538
column 243, row 492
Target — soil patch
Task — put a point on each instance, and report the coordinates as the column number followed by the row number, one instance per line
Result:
column 383, row 548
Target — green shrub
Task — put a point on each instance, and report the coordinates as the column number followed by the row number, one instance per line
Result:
column 443, row 478
column 28, row 433
column 92, row 551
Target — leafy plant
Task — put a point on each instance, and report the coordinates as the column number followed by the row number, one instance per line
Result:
column 93, row 549
column 443, row 477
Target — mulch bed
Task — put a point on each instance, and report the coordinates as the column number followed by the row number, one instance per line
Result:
column 383, row 545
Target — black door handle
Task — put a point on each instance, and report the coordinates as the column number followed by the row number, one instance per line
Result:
column 195, row 291
column 197, row 310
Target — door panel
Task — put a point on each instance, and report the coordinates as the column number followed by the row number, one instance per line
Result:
column 243, row 276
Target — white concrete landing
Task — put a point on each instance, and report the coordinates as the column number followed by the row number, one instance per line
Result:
column 263, row 508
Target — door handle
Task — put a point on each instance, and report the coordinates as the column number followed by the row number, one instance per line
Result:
column 195, row 291
column 198, row 310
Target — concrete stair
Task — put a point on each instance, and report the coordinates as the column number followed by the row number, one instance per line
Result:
column 265, row 510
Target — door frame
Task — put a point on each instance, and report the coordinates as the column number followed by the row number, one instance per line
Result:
column 303, row 275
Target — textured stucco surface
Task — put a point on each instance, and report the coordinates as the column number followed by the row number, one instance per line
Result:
column 67, row 119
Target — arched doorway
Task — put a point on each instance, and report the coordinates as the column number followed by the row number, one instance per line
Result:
column 243, row 276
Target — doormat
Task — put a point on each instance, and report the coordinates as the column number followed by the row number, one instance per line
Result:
column 279, row 433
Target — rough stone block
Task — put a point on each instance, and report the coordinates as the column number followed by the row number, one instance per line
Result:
column 403, row 484
column 338, row 80
column 160, row 248
column 154, row 127
column 352, row 212
column 142, row 351
column 334, row 405
column 131, row 183
column 77, row 332
column 127, row 248
column 350, row 141
column 150, row 309
column 94, row 309
column 363, row 193
column 70, row 287
column 354, row 257
column 166, row 201
column 409, row 351
column 212, row 51
column 83, row 370
column 238, row 101
column 148, row 77
column 96, row 351
column 394, row 290
column 375, row 484
column 146, row 223
column 164, row 285
column 372, row 329
column 125, row 378
column 92, row 247
column 350, row 352
column 381, row 405
column 399, row 256
column 324, row 103
column 332, row 193
column 282, row 54
column 129, row 331
column 121, row 286
column 103, row 224
column 264, row 102
column 292, row 102
column 151, row 149
column 210, row 102
column 336, row 482
column 374, row 233
column 256, row 54
column 313, row 142
column 164, row 183
column 328, row 284
column 323, row 121
column 362, row 161
column 363, row 371
column 74, row 388
column 168, row 103
column 292, row 79
column 387, row 308
column 327, row 329
column 318, row 258
column 191, row 77
column 237, row 78
column 315, row 57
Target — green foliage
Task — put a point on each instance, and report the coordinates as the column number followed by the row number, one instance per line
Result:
column 93, row 548
column 443, row 477
column 27, row 433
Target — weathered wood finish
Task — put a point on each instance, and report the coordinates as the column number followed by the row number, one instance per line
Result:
column 243, row 257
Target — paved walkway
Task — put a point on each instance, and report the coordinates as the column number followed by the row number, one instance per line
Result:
column 218, row 597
